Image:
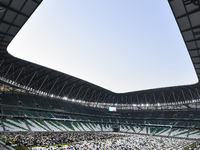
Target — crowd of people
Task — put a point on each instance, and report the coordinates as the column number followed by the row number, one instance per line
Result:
column 56, row 138
column 132, row 142
column 97, row 141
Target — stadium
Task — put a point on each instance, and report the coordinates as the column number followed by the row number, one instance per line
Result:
column 37, row 99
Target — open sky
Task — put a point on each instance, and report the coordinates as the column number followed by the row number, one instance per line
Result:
column 122, row 46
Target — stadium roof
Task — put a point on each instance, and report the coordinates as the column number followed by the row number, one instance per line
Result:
column 38, row 79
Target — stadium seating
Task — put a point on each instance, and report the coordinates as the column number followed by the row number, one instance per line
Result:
column 14, row 125
column 37, row 125
column 40, row 114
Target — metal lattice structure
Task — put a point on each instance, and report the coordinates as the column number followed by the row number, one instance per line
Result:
column 30, row 77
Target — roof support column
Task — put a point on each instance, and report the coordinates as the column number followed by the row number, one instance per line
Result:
column 183, row 95
column 163, row 97
column 78, row 92
column 146, row 100
column 131, row 102
column 62, row 87
column 137, row 99
column 154, row 98
column 174, row 96
column 85, row 94
column 53, row 86
column 43, row 82
column 92, row 96
column 98, row 99
column 1, row 62
column 70, row 90
column 197, row 93
column 191, row 94
column 19, row 74
column 31, row 78
column 8, row 71
column 198, row 98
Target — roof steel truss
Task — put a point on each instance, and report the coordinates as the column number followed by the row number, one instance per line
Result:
column 41, row 80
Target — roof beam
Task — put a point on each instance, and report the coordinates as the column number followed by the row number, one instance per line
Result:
column 6, row 34
column 194, row 40
column 192, row 28
column 11, row 9
column 10, row 24
column 188, row 13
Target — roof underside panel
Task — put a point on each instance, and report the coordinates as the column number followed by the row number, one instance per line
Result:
column 187, row 15
column 39, row 79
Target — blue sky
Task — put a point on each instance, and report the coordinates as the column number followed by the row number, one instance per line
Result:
column 120, row 45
